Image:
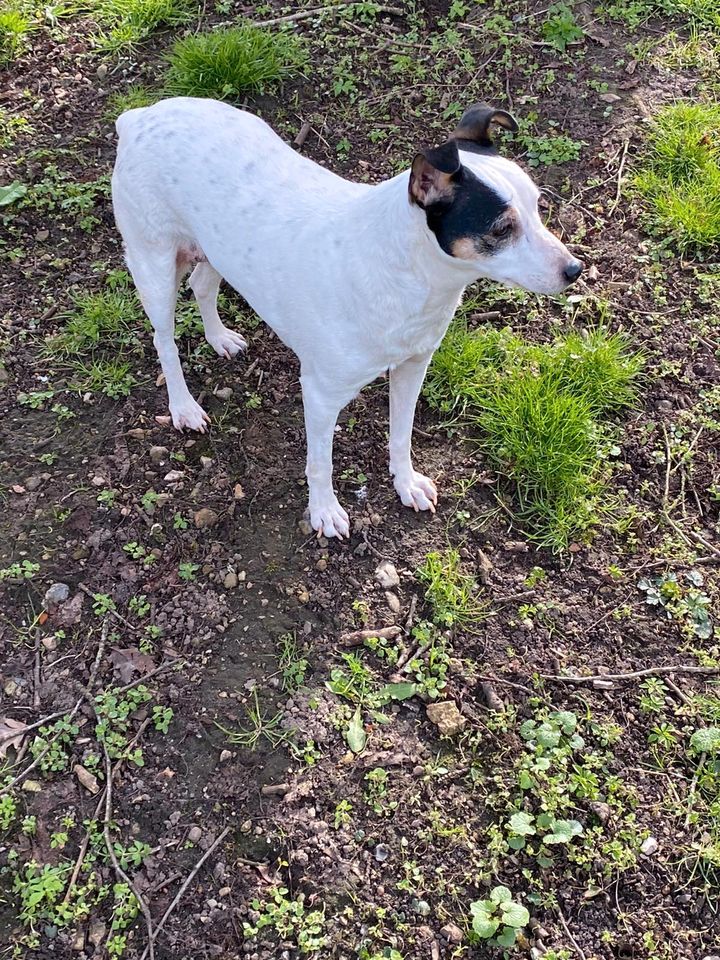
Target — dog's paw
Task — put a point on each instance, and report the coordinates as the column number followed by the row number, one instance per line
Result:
column 189, row 414
column 416, row 491
column 227, row 343
column 330, row 520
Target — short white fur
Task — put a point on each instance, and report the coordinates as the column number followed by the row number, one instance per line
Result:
column 348, row 275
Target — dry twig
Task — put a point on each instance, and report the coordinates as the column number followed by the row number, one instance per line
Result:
column 636, row 674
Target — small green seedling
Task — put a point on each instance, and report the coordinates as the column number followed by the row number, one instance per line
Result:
column 499, row 918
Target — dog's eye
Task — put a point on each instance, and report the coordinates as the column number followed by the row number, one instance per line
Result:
column 504, row 230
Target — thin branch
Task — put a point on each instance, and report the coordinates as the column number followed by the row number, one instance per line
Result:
column 181, row 892
column 635, row 674
column 113, row 613
column 118, row 869
column 616, row 201
column 570, row 937
column 359, row 636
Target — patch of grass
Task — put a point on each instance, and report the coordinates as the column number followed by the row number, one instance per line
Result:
column 451, row 593
column 111, row 317
column 137, row 95
column 225, row 63
column 14, row 28
column 680, row 174
column 125, row 23
column 538, row 409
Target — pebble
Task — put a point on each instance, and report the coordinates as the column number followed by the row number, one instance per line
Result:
column 305, row 528
column 225, row 755
column 392, row 601
column 194, row 834
column 224, row 891
column 231, row 580
column 601, row 810
column 224, row 393
column 452, row 933
column 159, row 454
column 446, row 717
column 422, row 908
column 205, row 517
column 386, row 575
column 650, row 846
column 382, row 852
column 55, row 595
column 32, row 483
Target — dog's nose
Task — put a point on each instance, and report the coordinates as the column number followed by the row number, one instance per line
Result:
column 573, row 270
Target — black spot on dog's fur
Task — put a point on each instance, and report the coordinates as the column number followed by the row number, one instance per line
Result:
column 467, row 215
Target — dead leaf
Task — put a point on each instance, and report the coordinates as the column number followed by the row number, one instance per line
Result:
column 130, row 660
column 87, row 779
column 13, row 730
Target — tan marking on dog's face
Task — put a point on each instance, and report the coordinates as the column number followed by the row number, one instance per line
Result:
column 504, row 231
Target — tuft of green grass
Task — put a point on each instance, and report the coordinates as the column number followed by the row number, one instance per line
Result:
column 138, row 95
column 225, row 63
column 14, row 28
column 538, row 410
column 451, row 593
column 108, row 318
column 125, row 23
column 680, row 174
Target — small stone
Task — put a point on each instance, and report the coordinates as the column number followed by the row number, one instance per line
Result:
column 610, row 98
column 97, row 932
column 50, row 643
column 392, row 601
column 224, row 891
column 225, row 755
column 101, row 71
column 11, row 688
column 305, row 528
column 194, row 834
column 592, row 273
column 224, row 393
column 173, row 476
column 159, row 455
column 78, row 944
column 205, row 518
column 446, row 717
column 386, row 575
column 238, row 491
column 33, row 483
column 206, row 463
column 98, row 481
column 231, row 580
column 650, row 846
column 421, row 907
column 32, row 786
column 452, row 933
column 246, row 826
column 321, row 564
column 382, row 852
column 55, row 595
column 601, row 810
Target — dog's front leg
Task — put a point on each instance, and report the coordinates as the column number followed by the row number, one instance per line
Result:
column 322, row 403
column 414, row 489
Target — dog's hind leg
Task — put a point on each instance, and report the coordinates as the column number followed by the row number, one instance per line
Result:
column 205, row 284
column 157, row 276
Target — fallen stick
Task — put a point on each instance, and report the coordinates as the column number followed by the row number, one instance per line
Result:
column 635, row 674
column 181, row 892
column 570, row 937
column 359, row 636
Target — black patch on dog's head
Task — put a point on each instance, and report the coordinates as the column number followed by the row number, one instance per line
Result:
column 474, row 222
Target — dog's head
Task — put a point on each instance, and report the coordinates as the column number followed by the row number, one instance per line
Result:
column 483, row 209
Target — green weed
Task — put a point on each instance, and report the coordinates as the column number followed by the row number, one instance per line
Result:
column 289, row 919
column 679, row 175
column 451, row 593
column 125, row 23
column 225, row 63
column 499, row 918
column 14, row 28
column 135, row 96
column 538, row 409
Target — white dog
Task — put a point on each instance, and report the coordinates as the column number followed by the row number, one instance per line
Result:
column 356, row 279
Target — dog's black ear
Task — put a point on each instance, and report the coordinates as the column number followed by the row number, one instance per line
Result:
column 432, row 173
column 476, row 121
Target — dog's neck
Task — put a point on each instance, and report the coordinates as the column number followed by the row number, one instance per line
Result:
column 395, row 235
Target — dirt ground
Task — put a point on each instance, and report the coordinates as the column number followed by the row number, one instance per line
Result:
column 252, row 615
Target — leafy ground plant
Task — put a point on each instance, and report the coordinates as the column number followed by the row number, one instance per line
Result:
column 679, row 175
column 125, row 23
column 538, row 409
column 682, row 600
column 452, row 594
column 14, row 28
column 499, row 918
column 226, row 63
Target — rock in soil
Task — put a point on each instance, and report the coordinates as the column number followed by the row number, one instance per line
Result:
column 55, row 595
column 205, row 517
column 387, row 576
column 446, row 717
